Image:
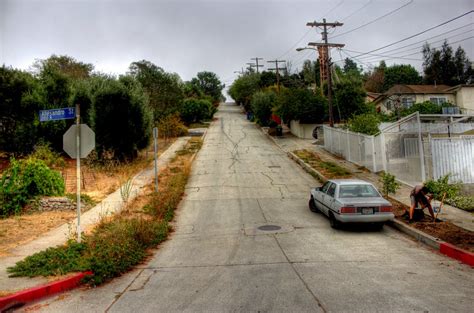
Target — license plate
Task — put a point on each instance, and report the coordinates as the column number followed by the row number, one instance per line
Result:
column 367, row 211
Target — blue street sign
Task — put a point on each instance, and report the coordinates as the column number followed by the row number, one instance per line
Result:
column 57, row 114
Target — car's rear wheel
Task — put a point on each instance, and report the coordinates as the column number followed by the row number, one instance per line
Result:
column 333, row 222
column 312, row 205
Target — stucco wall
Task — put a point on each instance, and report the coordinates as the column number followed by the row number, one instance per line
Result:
column 465, row 99
column 302, row 130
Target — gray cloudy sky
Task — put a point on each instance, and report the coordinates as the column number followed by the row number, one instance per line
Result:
column 186, row 36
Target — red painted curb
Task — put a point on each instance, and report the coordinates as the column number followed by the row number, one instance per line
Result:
column 457, row 253
column 36, row 293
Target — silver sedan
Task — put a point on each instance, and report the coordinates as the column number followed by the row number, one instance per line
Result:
column 350, row 201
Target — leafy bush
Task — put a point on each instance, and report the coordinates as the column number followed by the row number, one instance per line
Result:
column 25, row 179
column 442, row 186
column 389, row 184
column 367, row 123
column 171, row 126
column 462, row 202
column 121, row 118
column 262, row 104
column 196, row 110
column 51, row 158
column 301, row 105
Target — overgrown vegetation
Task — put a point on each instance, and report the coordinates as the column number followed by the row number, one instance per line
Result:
column 122, row 241
column 24, row 180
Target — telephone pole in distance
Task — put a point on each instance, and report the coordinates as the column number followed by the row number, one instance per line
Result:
column 256, row 63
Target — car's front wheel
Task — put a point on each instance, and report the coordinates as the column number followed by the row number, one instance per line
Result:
column 312, row 205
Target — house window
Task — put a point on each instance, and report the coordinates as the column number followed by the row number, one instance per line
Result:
column 388, row 105
column 438, row 100
column 407, row 102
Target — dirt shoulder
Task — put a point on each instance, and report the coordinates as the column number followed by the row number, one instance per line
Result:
column 97, row 183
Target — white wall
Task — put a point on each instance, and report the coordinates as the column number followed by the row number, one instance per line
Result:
column 304, row 131
column 465, row 99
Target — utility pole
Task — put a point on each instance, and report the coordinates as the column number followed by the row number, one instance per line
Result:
column 277, row 69
column 325, row 60
column 256, row 63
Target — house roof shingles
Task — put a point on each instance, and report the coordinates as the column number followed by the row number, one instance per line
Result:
column 419, row 89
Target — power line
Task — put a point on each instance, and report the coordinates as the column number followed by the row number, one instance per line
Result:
column 333, row 8
column 306, row 33
column 357, row 11
column 375, row 20
column 417, row 34
column 424, row 40
column 370, row 55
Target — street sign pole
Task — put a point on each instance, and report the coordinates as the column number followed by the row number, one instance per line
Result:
column 78, row 172
column 155, row 139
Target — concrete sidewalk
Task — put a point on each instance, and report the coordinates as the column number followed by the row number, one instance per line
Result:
column 290, row 143
column 111, row 204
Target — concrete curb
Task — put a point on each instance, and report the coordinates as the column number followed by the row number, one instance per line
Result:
column 20, row 298
column 445, row 248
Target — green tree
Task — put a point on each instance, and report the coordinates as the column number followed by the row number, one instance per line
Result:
column 349, row 99
column 209, row 84
column 310, row 72
column 65, row 65
column 164, row 90
column 196, row 110
column 374, row 80
column 121, row 118
column 19, row 105
column 400, row 74
column 302, row 105
column 243, row 88
column 262, row 104
column 445, row 67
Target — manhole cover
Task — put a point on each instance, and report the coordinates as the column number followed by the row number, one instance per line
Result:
column 269, row 227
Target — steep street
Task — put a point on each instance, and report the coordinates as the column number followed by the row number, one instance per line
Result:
column 219, row 259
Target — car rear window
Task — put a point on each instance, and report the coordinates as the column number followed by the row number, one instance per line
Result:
column 358, row 191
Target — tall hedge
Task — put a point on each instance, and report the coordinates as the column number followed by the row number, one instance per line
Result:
column 121, row 118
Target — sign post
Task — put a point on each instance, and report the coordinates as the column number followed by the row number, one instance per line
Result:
column 78, row 142
column 155, row 140
column 78, row 172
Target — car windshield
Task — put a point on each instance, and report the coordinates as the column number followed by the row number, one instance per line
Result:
column 357, row 191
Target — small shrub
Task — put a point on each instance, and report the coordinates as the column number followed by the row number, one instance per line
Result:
column 365, row 124
column 24, row 180
column 51, row 158
column 442, row 186
column 389, row 184
column 171, row 126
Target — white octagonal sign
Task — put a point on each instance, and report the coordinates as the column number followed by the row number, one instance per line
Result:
column 87, row 141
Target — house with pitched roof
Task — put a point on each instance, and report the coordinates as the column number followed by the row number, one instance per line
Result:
column 404, row 96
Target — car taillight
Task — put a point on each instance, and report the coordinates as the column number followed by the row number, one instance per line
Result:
column 346, row 209
column 386, row 208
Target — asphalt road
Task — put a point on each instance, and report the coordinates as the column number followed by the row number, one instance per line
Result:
column 218, row 260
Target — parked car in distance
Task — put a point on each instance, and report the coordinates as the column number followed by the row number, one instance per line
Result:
column 350, row 201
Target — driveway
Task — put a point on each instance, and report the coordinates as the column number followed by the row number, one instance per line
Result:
column 219, row 259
